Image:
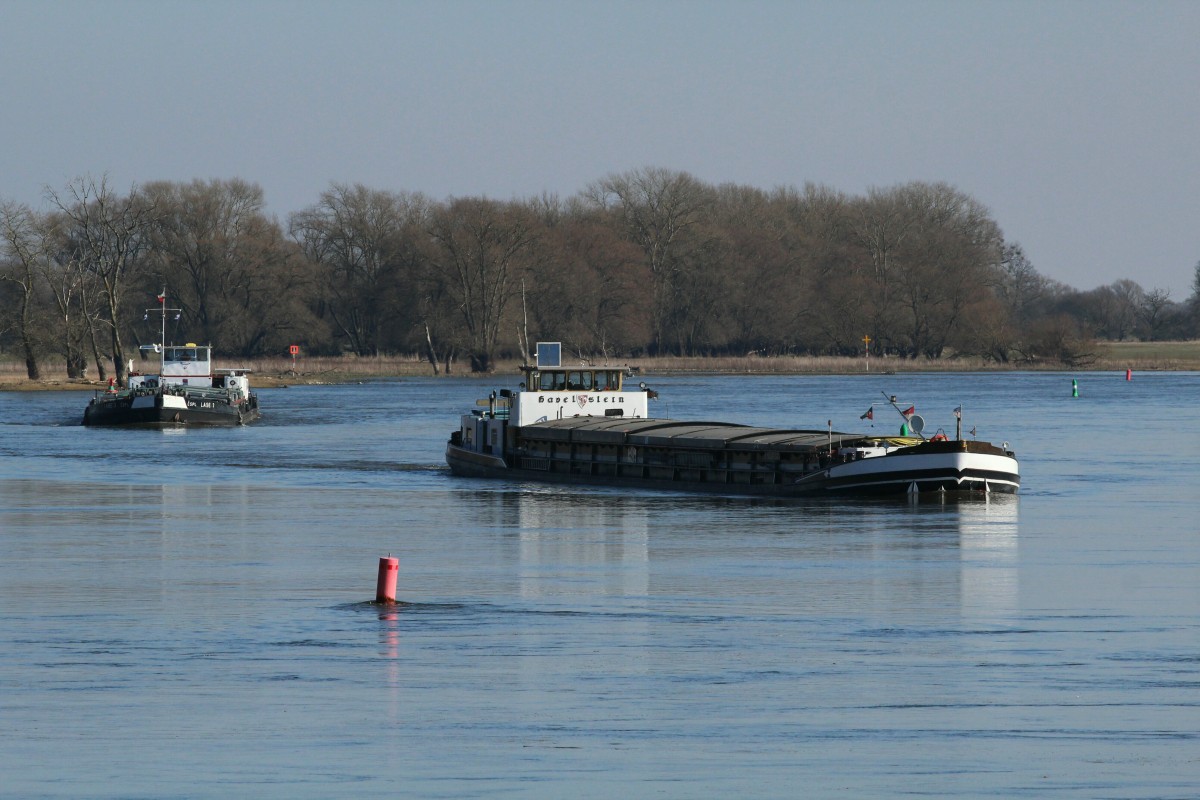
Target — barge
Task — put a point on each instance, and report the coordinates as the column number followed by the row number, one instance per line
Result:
column 582, row 425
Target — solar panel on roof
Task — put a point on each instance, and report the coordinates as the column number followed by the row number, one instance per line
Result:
column 549, row 354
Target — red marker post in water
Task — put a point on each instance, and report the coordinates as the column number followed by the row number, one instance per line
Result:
column 385, row 587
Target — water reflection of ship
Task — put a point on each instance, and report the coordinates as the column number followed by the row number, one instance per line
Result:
column 581, row 545
column 607, row 544
column 989, row 573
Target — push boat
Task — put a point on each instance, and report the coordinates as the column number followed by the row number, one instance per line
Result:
column 581, row 425
column 187, row 391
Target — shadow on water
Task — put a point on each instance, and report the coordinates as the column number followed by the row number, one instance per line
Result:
column 536, row 506
column 392, row 610
column 602, row 495
column 401, row 609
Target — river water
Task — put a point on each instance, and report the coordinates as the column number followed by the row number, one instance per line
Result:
column 186, row 613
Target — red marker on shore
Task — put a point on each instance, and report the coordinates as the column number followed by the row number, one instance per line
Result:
column 385, row 587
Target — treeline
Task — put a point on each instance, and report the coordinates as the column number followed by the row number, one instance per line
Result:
column 649, row 262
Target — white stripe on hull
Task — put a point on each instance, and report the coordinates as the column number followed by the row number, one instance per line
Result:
column 904, row 470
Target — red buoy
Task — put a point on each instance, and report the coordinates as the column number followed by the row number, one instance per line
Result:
column 385, row 587
column 1129, row 374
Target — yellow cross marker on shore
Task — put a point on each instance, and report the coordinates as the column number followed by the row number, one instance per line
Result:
column 867, row 351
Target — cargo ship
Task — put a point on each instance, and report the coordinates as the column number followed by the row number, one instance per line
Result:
column 584, row 425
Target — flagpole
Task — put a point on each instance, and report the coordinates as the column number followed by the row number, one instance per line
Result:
column 162, row 328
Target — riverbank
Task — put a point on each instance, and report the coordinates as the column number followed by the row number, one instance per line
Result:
column 270, row 373
column 266, row 373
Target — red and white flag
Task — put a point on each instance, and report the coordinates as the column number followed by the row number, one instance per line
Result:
column 908, row 412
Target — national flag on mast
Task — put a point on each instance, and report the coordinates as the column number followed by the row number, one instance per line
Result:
column 908, row 412
column 162, row 298
column 869, row 415
column 958, row 413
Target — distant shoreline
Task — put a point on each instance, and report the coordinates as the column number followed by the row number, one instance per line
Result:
column 271, row 373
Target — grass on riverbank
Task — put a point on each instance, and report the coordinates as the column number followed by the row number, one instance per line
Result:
column 1150, row 355
column 1108, row 356
column 270, row 372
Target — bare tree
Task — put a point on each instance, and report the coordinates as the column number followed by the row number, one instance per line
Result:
column 482, row 247
column 1019, row 286
column 933, row 251
column 656, row 208
column 109, row 232
column 881, row 226
column 952, row 265
column 1193, row 303
column 1060, row 338
column 194, row 246
column 364, row 241
column 436, row 313
column 1112, row 310
column 24, row 251
column 1129, row 296
column 69, row 283
column 241, row 284
column 1153, row 312
column 587, row 285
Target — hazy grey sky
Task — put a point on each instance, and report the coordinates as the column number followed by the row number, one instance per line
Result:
column 1076, row 123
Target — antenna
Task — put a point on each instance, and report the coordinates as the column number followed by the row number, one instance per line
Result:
column 915, row 422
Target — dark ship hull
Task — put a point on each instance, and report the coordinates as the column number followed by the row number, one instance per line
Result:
column 734, row 459
column 160, row 409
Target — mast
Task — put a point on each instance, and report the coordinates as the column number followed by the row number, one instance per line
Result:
column 162, row 329
column 162, row 335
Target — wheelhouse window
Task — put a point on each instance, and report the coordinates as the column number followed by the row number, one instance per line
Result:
column 609, row 380
column 583, row 380
column 185, row 354
column 552, row 381
column 577, row 381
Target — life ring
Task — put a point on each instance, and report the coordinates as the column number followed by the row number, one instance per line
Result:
column 938, row 437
